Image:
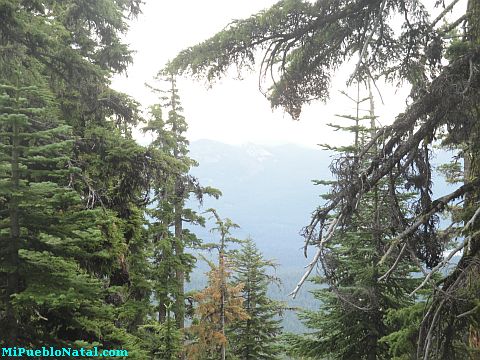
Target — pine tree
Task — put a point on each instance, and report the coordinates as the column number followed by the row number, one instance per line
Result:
column 256, row 336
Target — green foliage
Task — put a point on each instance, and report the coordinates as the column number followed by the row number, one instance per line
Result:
column 171, row 186
column 304, row 42
column 84, row 177
column 405, row 324
column 163, row 340
column 352, row 321
column 256, row 336
column 53, row 249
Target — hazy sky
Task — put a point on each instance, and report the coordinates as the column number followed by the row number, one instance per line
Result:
column 231, row 111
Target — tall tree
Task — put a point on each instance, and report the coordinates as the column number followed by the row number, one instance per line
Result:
column 72, row 49
column 304, row 43
column 351, row 322
column 52, row 247
column 172, row 186
column 256, row 336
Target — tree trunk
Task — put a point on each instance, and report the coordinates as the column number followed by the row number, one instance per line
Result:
column 179, row 273
column 472, row 169
column 13, row 257
column 222, row 304
column 372, row 355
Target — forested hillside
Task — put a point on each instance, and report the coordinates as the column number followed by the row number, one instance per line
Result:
column 119, row 237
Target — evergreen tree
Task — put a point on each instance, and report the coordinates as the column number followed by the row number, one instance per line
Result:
column 72, row 48
column 220, row 303
column 163, row 340
column 351, row 322
column 172, row 186
column 50, row 293
column 255, row 337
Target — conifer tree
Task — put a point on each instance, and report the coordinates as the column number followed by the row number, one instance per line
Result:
column 172, row 186
column 50, row 291
column 163, row 340
column 220, row 303
column 72, row 48
column 255, row 337
column 351, row 322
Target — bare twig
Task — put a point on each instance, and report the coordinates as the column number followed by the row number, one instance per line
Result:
column 395, row 264
column 367, row 41
column 311, row 265
column 430, row 330
column 469, row 312
column 452, row 26
column 440, row 265
column 472, row 220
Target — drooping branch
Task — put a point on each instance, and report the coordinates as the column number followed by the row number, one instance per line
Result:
column 430, row 111
column 301, row 44
column 437, row 206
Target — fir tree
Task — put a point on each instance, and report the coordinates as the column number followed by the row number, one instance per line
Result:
column 163, row 340
column 73, row 48
column 220, row 303
column 172, row 186
column 50, row 294
column 255, row 337
column 352, row 322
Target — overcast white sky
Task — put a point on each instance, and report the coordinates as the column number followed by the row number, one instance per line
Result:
column 231, row 111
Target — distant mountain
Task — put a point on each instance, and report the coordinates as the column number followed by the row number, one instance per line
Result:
column 268, row 191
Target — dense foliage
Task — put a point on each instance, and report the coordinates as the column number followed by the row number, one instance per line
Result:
column 255, row 336
column 73, row 264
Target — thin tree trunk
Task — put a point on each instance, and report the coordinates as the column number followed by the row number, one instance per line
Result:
column 162, row 314
column 13, row 277
column 178, row 224
column 180, row 273
column 222, row 294
column 377, row 239
column 222, row 315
